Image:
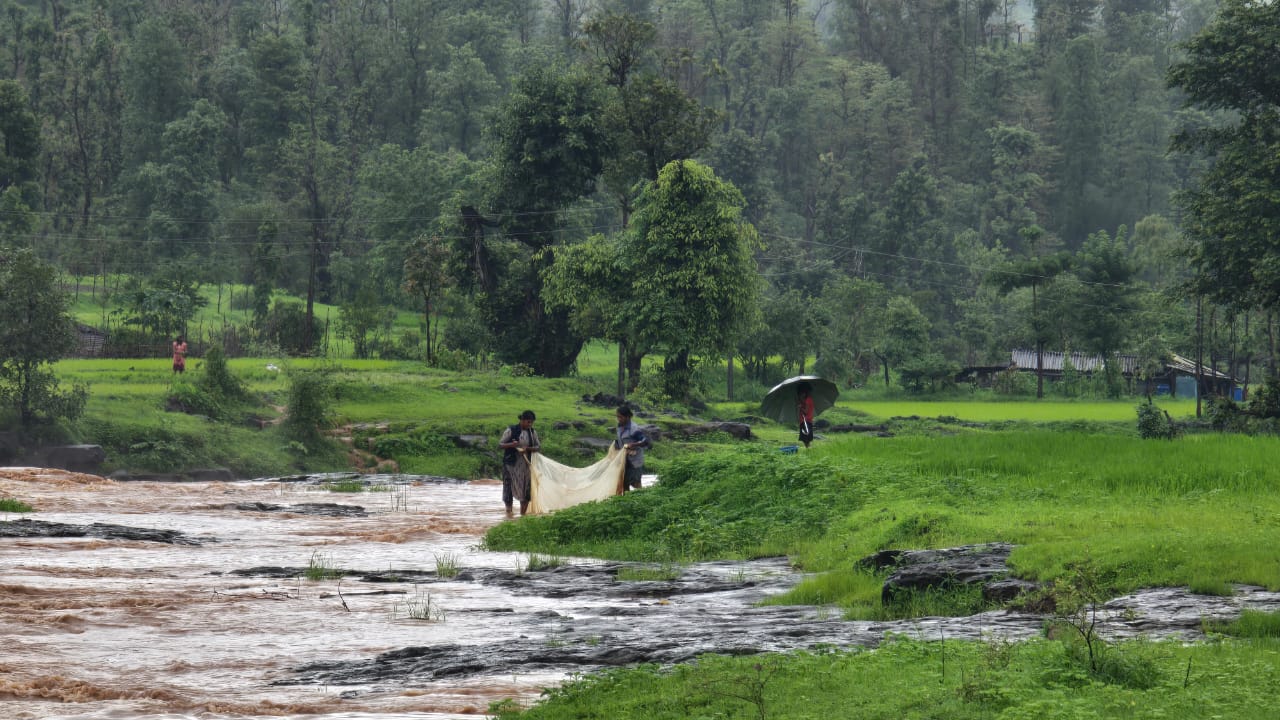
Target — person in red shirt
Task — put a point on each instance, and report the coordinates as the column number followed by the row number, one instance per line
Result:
column 179, row 355
column 804, row 412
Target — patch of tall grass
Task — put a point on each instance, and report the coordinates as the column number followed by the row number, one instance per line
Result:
column 13, row 505
column 1255, row 624
column 321, row 566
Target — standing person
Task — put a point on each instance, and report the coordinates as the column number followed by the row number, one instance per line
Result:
column 179, row 355
column 517, row 442
column 631, row 440
column 804, row 412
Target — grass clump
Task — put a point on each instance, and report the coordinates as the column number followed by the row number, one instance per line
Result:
column 322, row 567
column 1253, row 624
column 421, row 606
column 537, row 562
column 13, row 505
column 345, row 486
column 649, row 573
column 448, row 565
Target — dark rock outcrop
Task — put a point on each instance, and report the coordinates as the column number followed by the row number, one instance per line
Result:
column 76, row 458
column 915, row 570
column 41, row 528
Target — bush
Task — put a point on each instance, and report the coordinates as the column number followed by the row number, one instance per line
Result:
column 310, row 398
column 286, row 327
column 1264, row 402
column 1155, row 423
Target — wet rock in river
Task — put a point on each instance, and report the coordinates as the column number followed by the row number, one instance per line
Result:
column 42, row 528
column 328, row 509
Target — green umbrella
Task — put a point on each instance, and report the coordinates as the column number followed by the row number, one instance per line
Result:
column 779, row 404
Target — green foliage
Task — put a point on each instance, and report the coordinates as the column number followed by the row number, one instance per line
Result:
column 309, row 407
column 750, row 502
column 35, row 330
column 1264, row 401
column 938, row 679
column 1155, row 423
column 1250, row 624
column 13, row 505
column 322, row 567
column 286, row 326
column 164, row 306
column 1232, row 208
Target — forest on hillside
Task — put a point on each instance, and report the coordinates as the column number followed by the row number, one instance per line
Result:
column 851, row 186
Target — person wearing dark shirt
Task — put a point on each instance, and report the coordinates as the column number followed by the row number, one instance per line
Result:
column 633, row 442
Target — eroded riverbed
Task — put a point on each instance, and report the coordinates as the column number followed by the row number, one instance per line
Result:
column 208, row 613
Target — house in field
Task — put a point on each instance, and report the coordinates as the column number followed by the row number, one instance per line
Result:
column 1177, row 379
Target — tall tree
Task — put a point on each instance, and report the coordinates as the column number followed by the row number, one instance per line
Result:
column 35, row 330
column 1233, row 210
column 549, row 147
column 693, row 280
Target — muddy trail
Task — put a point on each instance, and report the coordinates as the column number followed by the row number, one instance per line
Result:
column 283, row 598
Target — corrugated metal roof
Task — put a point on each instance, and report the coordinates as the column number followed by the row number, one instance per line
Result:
column 1085, row 362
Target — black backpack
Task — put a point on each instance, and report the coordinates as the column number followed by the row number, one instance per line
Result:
column 509, row 455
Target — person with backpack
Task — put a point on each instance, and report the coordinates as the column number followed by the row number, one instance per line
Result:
column 517, row 442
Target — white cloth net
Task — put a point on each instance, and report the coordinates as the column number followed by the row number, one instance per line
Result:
column 557, row 486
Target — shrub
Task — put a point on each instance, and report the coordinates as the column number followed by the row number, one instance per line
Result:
column 1155, row 423
column 310, row 398
column 1264, row 402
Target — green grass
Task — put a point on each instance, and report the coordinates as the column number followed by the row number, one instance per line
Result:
column 322, row 567
column 1035, row 680
column 448, row 565
column 421, row 606
column 642, row 573
column 12, row 505
column 1252, row 624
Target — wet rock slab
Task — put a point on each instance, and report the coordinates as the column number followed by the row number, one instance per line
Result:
column 712, row 608
column 40, row 528
column 326, row 509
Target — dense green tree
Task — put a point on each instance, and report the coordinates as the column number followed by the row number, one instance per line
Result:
column 549, row 147
column 157, row 88
column 19, row 136
column 1233, row 211
column 1109, row 297
column 164, row 306
column 35, row 331
column 905, row 337
column 693, row 281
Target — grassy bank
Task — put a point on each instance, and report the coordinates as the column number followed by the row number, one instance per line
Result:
column 1086, row 502
column 937, row 680
column 1201, row 511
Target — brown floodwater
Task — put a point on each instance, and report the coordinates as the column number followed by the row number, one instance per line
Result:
column 99, row 629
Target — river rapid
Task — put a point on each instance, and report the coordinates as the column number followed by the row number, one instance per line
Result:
column 206, row 611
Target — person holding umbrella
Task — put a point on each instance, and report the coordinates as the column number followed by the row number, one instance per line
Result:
column 797, row 400
column 804, row 412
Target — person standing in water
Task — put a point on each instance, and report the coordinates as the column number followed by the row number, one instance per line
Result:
column 517, row 442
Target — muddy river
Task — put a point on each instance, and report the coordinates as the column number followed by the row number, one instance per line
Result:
column 283, row 598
